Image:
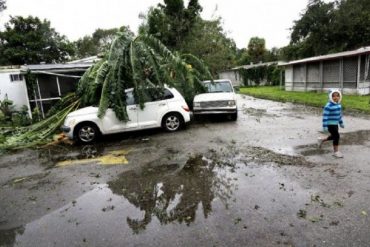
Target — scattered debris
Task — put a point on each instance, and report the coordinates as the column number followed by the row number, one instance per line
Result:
column 302, row 213
column 334, row 223
column 116, row 157
column 237, row 221
column 108, row 208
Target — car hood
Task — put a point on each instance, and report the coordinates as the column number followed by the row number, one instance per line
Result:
column 84, row 111
column 214, row 97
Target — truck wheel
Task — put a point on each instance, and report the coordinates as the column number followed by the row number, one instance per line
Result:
column 234, row 116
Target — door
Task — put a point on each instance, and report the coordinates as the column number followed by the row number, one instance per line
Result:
column 112, row 124
column 155, row 106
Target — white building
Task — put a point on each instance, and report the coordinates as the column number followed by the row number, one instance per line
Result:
column 235, row 75
column 13, row 86
column 348, row 71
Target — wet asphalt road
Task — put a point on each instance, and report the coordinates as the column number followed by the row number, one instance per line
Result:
column 259, row 181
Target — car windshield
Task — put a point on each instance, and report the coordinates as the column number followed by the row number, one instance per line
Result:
column 218, row 87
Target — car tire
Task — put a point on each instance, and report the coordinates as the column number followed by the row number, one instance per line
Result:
column 234, row 116
column 172, row 122
column 86, row 133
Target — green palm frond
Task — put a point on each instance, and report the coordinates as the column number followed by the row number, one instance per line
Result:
column 140, row 63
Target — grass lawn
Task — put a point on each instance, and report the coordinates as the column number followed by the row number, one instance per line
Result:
column 349, row 102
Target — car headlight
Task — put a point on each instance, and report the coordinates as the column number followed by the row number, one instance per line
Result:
column 196, row 104
column 231, row 103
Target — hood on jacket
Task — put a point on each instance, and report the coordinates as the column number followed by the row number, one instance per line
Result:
column 331, row 91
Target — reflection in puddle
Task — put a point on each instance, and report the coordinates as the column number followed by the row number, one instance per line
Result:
column 171, row 193
column 206, row 200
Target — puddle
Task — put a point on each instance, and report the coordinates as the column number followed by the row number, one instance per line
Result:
column 257, row 113
column 213, row 198
column 361, row 137
column 262, row 155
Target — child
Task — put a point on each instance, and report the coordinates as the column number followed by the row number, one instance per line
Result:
column 332, row 116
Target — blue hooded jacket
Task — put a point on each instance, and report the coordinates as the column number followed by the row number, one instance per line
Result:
column 332, row 114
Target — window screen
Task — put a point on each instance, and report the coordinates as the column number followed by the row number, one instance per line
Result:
column 350, row 69
column 16, row 77
column 331, row 71
column 298, row 73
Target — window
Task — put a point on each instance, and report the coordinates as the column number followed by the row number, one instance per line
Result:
column 158, row 94
column 16, row 77
column 168, row 94
column 149, row 95
column 130, row 100
column 219, row 87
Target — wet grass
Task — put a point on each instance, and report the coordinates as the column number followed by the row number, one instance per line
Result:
column 350, row 102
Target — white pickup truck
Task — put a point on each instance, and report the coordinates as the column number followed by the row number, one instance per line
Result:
column 220, row 98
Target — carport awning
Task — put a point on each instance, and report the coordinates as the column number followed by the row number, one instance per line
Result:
column 55, row 68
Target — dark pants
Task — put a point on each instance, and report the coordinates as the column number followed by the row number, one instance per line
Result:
column 334, row 134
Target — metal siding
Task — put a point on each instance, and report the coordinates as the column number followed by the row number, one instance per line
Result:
column 313, row 73
column 331, row 72
column 288, row 74
column 233, row 76
column 298, row 74
column 349, row 70
column 367, row 69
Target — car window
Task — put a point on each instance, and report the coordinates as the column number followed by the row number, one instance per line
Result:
column 167, row 94
column 150, row 95
column 218, row 87
column 157, row 94
column 130, row 100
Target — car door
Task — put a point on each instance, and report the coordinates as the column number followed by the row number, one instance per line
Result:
column 155, row 106
column 112, row 124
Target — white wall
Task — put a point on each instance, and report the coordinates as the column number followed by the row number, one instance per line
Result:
column 363, row 88
column 232, row 75
column 289, row 78
column 16, row 90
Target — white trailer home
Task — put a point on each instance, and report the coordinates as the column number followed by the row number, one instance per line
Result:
column 348, row 71
column 13, row 86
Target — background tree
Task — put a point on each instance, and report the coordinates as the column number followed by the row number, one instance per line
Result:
column 208, row 41
column 242, row 57
column 183, row 30
column 351, row 26
column 2, row 5
column 272, row 55
column 171, row 22
column 31, row 41
column 313, row 33
column 257, row 49
column 329, row 27
column 85, row 47
column 98, row 42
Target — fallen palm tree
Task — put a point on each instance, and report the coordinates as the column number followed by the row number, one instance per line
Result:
column 132, row 62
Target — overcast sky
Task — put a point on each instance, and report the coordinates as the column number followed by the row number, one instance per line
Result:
column 242, row 19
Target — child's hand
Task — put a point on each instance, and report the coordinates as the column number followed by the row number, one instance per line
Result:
column 341, row 125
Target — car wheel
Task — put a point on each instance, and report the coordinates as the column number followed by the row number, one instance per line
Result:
column 86, row 133
column 234, row 116
column 172, row 122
